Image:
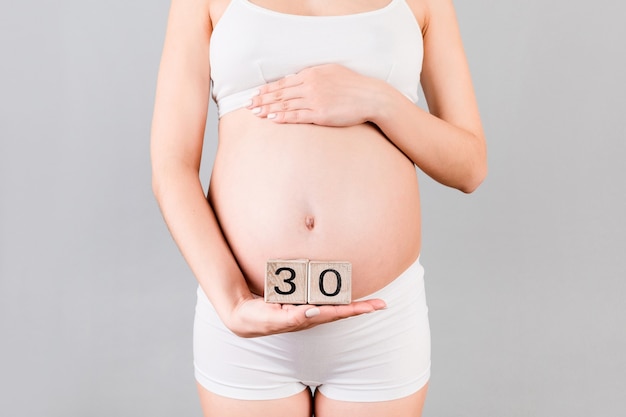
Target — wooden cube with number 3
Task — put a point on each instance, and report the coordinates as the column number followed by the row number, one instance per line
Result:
column 286, row 281
column 330, row 282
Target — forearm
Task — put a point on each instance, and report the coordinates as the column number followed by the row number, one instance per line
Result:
column 451, row 155
column 197, row 233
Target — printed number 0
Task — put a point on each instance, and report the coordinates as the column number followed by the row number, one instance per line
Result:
column 321, row 283
column 292, row 286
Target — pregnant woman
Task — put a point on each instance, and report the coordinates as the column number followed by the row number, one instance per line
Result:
column 318, row 139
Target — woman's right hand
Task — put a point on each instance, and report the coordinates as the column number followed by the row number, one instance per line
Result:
column 253, row 317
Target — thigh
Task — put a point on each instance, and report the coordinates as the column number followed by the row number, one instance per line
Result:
column 410, row 406
column 213, row 405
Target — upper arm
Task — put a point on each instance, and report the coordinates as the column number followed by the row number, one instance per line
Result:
column 183, row 86
column 445, row 75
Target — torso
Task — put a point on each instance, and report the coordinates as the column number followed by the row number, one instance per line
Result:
column 315, row 192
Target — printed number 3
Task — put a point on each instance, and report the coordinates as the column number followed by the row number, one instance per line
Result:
column 292, row 286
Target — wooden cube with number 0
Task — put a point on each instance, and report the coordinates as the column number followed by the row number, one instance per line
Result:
column 286, row 281
column 330, row 282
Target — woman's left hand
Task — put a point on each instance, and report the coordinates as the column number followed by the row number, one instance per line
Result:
column 327, row 95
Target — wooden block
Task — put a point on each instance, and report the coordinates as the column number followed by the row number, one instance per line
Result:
column 286, row 281
column 330, row 282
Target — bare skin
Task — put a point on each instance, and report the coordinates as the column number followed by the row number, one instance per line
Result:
column 363, row 207
column 300, row 405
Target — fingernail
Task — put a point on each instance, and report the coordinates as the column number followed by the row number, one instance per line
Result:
column 248, row 103
column 256, row 110
column 271, row 116
column 312, row 312
column 256, row 93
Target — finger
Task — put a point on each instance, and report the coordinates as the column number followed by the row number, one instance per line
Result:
column 377, row 303
column 293, row 116
column 336, row 312
column 285, row 105
column 287, row 81
column 355, row 309
column 277, row 96
column 284, row 89
column 298, row 317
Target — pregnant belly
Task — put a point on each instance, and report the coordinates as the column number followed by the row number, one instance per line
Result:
column 320, row 193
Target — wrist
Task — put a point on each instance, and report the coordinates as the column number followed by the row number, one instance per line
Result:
column 380, row 101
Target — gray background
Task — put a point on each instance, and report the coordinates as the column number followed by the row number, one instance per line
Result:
column 525, row 277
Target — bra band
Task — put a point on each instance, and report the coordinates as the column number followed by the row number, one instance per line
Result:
column 252, row 45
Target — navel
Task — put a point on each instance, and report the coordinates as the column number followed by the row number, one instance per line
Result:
column 309, row 222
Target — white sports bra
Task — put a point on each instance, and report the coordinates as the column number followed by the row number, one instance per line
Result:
column 252, row 45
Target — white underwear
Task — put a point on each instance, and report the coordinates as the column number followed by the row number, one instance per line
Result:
column 379, row 356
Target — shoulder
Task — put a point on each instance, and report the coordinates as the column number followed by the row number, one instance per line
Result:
column 426, row 11
column 208, row 12
column 217, row 9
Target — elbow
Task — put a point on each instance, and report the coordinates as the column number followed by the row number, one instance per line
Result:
column 156, row 175
column 477, row 168
column 159, row 184
column 475, row 176
column 473, row 180
column 171, row 177
column 156, row 185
